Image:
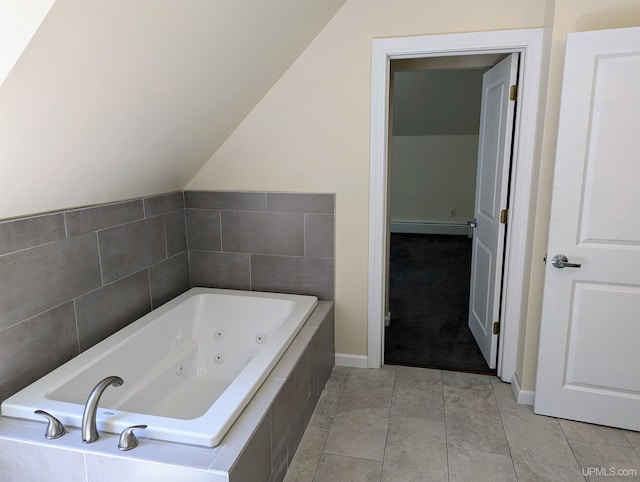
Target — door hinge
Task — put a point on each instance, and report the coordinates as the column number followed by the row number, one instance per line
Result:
column 504, row 216
column 513, row 92
column 496, row 327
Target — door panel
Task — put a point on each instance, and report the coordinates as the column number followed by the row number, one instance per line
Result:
column 606, row 174
column 494, row 156
column 588, row 335
column 588, row 355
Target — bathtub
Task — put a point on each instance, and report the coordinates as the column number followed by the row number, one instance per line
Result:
column 189, row 367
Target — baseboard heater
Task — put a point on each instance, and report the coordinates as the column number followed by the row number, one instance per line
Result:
column 429, row 228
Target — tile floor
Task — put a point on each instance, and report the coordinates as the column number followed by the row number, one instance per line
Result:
column 414, row 424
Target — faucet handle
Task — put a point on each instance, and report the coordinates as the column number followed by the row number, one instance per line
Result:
column 55, row 428
column 128, row 439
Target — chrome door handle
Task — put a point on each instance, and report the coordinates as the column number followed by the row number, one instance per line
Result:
column 561, row 261
column 472, row 224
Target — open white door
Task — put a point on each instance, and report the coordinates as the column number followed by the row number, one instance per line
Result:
column 589, row 355
column 494, row 156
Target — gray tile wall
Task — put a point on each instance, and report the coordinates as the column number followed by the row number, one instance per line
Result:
column 72, row 278
column 281, row 242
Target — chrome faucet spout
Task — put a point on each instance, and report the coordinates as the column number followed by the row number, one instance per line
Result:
column 89, row 426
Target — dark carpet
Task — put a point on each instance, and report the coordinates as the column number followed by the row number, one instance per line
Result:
column 429, row 304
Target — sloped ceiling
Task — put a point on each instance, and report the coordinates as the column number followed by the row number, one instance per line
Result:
column 19, row 20
column 118, row 99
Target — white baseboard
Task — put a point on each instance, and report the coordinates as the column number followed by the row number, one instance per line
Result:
column 355, row 361
column 524, row 397
column 428, row 228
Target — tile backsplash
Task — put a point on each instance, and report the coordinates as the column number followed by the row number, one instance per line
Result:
column 69, row 279
column 282, row 242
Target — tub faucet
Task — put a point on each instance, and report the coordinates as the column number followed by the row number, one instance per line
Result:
column 89, row 426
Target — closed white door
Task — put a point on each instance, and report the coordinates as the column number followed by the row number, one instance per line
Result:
column 589, row 355
column 494, row 157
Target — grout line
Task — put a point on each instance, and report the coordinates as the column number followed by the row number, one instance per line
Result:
column 30, row 247
column 189, row 269
column 386, row 437
column 624, row 434
column 99, row 259
column 64, row 221
column 19, row 322
column 575, row 459
column 220, row 228
column 186, row 242
column 444, row 421
column 149, row 284
column 513, row 465
column 324, row 444
column 501, row 421
column 164, row 237
column 304, row 235
column 84, row 464
column 75, row 319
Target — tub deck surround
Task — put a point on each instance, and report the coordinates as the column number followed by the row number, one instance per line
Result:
column 259, row 446
column 189, row 367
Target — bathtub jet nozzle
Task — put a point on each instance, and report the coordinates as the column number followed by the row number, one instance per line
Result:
column 89, row 425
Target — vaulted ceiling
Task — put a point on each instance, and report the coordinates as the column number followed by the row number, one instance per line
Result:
column 125, row 98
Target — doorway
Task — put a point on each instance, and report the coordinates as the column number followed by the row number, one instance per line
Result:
column 435, row 110
column 528, row 43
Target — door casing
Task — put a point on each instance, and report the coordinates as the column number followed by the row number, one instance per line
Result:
column 527, row 42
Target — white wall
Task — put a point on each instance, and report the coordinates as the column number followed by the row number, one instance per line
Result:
column 311, row 131
column 120, row 99
column 430, row 175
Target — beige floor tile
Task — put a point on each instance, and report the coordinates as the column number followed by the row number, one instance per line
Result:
column 473, row 466
column 305, row 461
column 408, row 402
column 466, row 380
column 539, row 449
column 416, row 451
column 360, row 425
column 338, row 379
column 326, row 408
column 372, row 380
column 483, row 424
column 341, row 370
column 473, row 420
column 337, row 468
column 505, row 397
column 587, row 432
column 603, row 462
column 634, row 439
column 418, row 379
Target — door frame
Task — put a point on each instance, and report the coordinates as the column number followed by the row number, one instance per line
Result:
column 523, row 184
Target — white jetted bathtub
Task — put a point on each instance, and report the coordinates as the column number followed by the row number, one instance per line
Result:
column 189, row 367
